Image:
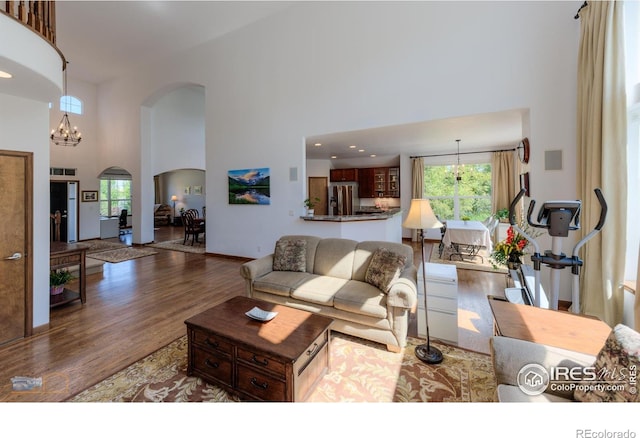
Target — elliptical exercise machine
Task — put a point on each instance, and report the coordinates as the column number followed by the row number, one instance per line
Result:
column 558, row 217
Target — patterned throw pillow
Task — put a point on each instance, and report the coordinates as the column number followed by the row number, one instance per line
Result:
column 290, row 255
column 384, row 268
column 616, row 369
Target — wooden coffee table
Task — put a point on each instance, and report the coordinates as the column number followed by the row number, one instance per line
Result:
column 549, row 327
column 278, row 360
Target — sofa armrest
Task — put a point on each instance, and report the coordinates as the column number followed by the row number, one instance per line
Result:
column 404, row 291
column 257, row 268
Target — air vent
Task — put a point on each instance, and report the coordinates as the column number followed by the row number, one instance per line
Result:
column 59, row 171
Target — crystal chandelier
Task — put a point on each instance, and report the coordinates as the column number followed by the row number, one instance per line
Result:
column 64, row 135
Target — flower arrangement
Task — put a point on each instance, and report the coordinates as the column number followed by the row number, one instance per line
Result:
column 509, row 250
column 311, row 202
column 57, row 279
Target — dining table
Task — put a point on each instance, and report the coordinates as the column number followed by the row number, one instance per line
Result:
column 466, row 238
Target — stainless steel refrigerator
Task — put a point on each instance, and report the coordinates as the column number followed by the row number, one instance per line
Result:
column 343, row 199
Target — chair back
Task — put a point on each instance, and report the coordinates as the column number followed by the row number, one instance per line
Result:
column 123, row 218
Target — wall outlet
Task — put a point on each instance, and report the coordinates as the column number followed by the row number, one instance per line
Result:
column 258, row 248
column 290, row 212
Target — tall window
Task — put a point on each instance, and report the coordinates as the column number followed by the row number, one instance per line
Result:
column 452, row 199
column 70, row 104
column 115, row 196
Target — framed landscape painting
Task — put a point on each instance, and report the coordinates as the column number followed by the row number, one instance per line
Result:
column 249, row 186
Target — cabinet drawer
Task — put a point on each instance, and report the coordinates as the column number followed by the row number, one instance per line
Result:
column 261, row 361
column 212, row 365
column 443, row 325
column 444, row 304
column 212, row 342
column 260, row 385
column 439, row 289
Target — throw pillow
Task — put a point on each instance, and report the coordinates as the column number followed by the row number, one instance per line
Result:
column 616, row 369
column 290, row 255
column 384, row 268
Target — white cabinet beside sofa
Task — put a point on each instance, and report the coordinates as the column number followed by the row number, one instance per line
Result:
column 442, row 301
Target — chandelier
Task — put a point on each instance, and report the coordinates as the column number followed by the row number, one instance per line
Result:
column 64, row 135
column 458, row 170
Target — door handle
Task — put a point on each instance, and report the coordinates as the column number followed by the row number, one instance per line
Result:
column 15, row 256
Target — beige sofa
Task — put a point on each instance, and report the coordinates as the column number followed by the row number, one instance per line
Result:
column 336, row 279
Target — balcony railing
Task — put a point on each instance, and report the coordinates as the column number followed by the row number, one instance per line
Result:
column 39, row 16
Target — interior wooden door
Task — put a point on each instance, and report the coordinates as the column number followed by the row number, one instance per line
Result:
column 16, row 295
column 318, row 188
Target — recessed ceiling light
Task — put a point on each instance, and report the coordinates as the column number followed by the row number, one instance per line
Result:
column 318, row 144
column 360, row 150
column 372, row 155
column 334, row 156
column 353, row 146
column 5, row 75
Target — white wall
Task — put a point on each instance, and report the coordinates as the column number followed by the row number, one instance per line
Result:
column 81, row 157
column 177, row 130
column 23, row 125
column 273, row 83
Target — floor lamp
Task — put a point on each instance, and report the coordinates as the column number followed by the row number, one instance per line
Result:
column 421, row 217
column 174, row 198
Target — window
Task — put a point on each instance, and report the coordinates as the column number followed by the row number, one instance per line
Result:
column 70, row 104
column 115, row 196
column 451, row 199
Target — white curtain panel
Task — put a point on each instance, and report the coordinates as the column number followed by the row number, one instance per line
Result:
column 601, row 157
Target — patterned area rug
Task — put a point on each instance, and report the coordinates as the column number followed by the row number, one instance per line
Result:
column 176, row 245
column 361, row 371
column 97, row 245
column 478, row 263
column 121, row 254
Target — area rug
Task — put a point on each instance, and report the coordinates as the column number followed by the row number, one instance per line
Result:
column 361, row 371
column 475, row 264
column 121, row 254
column 176, row 245
column 98, row 245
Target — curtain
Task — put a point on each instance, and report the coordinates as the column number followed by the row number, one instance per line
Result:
column 502, row 180
column 600, row 155
column 156, row 190
column 417, row 186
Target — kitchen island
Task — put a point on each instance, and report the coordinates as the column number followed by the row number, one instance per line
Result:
column 383, row 225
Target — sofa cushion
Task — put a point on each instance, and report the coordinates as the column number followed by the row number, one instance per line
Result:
column 280, row 282
column 384, row 268
column 361, row 298
column 366, row 249
column 290, row 255
column 334, row 258
column 318, row 289
column 616, row 363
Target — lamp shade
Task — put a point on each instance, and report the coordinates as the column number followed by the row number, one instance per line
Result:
column 421, row 216
column 174, row 198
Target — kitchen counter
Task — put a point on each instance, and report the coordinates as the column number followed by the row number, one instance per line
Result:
column 385, row 226
column 368, row 216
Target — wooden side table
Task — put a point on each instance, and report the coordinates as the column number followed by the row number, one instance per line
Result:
column 561, row 329
column 64, row 255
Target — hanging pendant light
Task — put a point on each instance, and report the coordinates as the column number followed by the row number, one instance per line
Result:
column 64, row 135
column 458, row 171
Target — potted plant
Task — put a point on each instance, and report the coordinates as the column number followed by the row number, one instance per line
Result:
column 310, row 203
column 509, row 252
column 57, row 279
column 503, row 215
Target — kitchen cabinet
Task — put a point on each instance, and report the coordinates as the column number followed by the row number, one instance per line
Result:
column 379, row 182
column 365, row 183
column 343, row 175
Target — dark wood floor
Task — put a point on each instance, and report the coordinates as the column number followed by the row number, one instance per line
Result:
column 136, row 307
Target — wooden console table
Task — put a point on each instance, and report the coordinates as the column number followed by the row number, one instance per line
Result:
column 64, row 255
column 549, row 327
